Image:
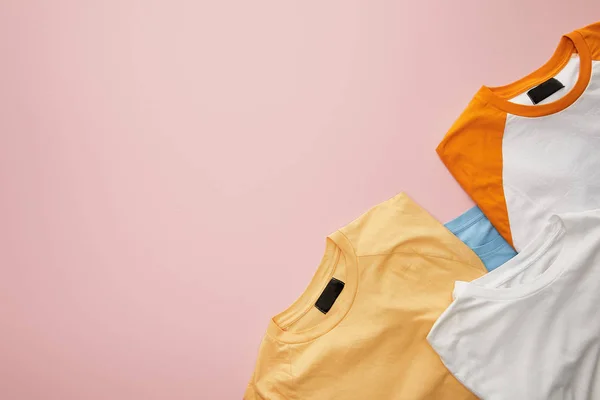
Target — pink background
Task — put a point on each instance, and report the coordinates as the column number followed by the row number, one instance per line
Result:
column 169, row 169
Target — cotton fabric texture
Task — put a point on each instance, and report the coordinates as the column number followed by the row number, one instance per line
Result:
column 521, row 162
column 477, row 232
column 530, row 329
column 399, row 266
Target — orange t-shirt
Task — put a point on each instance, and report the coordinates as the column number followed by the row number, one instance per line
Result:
column 359, row 330
column 523, row 157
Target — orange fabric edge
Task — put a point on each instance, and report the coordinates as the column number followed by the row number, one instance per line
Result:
column 472, row 152
column 591, row 34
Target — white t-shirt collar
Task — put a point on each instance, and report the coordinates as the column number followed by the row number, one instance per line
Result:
column 553, row 237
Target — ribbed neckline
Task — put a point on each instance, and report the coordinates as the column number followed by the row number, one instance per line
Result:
column 554, row 234
column 337, row 246
column 500, row 96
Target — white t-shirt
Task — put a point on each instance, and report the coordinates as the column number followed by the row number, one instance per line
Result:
column 530, row 330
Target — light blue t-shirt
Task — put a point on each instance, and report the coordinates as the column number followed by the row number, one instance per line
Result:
column 477, row 232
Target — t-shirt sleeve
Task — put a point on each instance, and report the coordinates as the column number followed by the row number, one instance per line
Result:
column 251, row 394
column 591, row 34
column 472, row 152
column 397, row 224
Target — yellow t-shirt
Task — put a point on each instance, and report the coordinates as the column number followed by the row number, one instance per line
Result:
column 397, row 265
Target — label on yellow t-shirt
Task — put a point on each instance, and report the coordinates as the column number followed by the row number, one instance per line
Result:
column 393, row 271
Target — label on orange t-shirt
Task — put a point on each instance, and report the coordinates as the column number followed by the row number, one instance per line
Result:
column 396, row 266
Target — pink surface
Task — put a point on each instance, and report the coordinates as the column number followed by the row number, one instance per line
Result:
column 169, row 169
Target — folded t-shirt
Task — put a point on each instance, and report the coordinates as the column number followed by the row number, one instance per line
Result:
column 359, row 331
column 530, row 329
column 530, row 149
column 477, row 232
